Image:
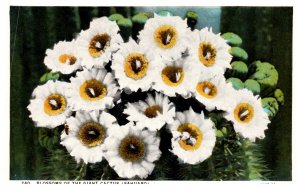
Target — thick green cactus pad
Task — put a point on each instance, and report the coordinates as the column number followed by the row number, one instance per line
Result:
column 232, row 38
column 239, row 69
column 239, row 53
column 265, row 74
column 236, row 83
column 115, row 17
column 278, row 94
column 270, row 106
column 253, row 86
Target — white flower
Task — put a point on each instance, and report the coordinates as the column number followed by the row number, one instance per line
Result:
column 154, row 113
column 92, row 90
column 175, row 77
column 247, row 115
column 96, row 45
column 213, row 91
column 62, row 58
column 133, row 67
column 210, row 50
column 193, row 137
column 131, row 151
column 86, row 135
column 49, row 106
column 165, row 36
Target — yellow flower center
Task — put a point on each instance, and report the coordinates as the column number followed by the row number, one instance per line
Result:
column 165, row 36
column 55, row 104
column 151, row 111
column 91, row 134
column 67, row 59
column 243, row 113
column 136, row 66
column 98, row 44
column 172, row 76
column 93, row 90
column 207, row 89
column 194, row 140
column 207, row 54
column 132, row 148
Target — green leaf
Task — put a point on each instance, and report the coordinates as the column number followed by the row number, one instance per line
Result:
column 48, row 76
column 219, row 133
column 239, row 53
column 224, row 130
column 232, row 38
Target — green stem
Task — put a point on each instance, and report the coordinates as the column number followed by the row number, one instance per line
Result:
column 211, row 168
column 82, row 171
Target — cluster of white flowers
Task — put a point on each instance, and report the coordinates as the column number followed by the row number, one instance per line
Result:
column 169, row 58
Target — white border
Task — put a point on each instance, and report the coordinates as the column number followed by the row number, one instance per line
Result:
column 5, row 88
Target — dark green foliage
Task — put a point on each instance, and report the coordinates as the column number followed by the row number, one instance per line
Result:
column 59, row 165
column 36, row 153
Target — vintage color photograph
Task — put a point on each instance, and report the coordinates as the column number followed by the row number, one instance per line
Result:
column 151, row 93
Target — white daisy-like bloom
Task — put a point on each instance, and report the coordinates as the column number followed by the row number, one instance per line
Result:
column 96, row 45
column 213, row 91
column 92, row 90
column 247, row 114
column 131, row 150
column 176, row 77
column 166, row 36
column 63, row 58
column 210, row 50
column 86, row 135
column 133, row 67
column 153, row 113
column 193, row 138
column 49, row 106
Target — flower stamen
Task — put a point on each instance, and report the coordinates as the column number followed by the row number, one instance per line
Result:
column 172, row 76
column 243, row 112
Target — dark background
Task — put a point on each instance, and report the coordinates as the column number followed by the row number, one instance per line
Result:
column 266, row 34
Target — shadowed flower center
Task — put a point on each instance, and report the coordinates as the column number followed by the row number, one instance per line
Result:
column 191, row 138
column 68, row 59
column 165, row 36
column 207, row 54
column 55, row 104
column 136, row 66
column 151, row 111
column 93, row 90
column 98, row 44
column 243, row 112
column 91, row 134
column 172, row 76
column 132, row 148
column 207, row 89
